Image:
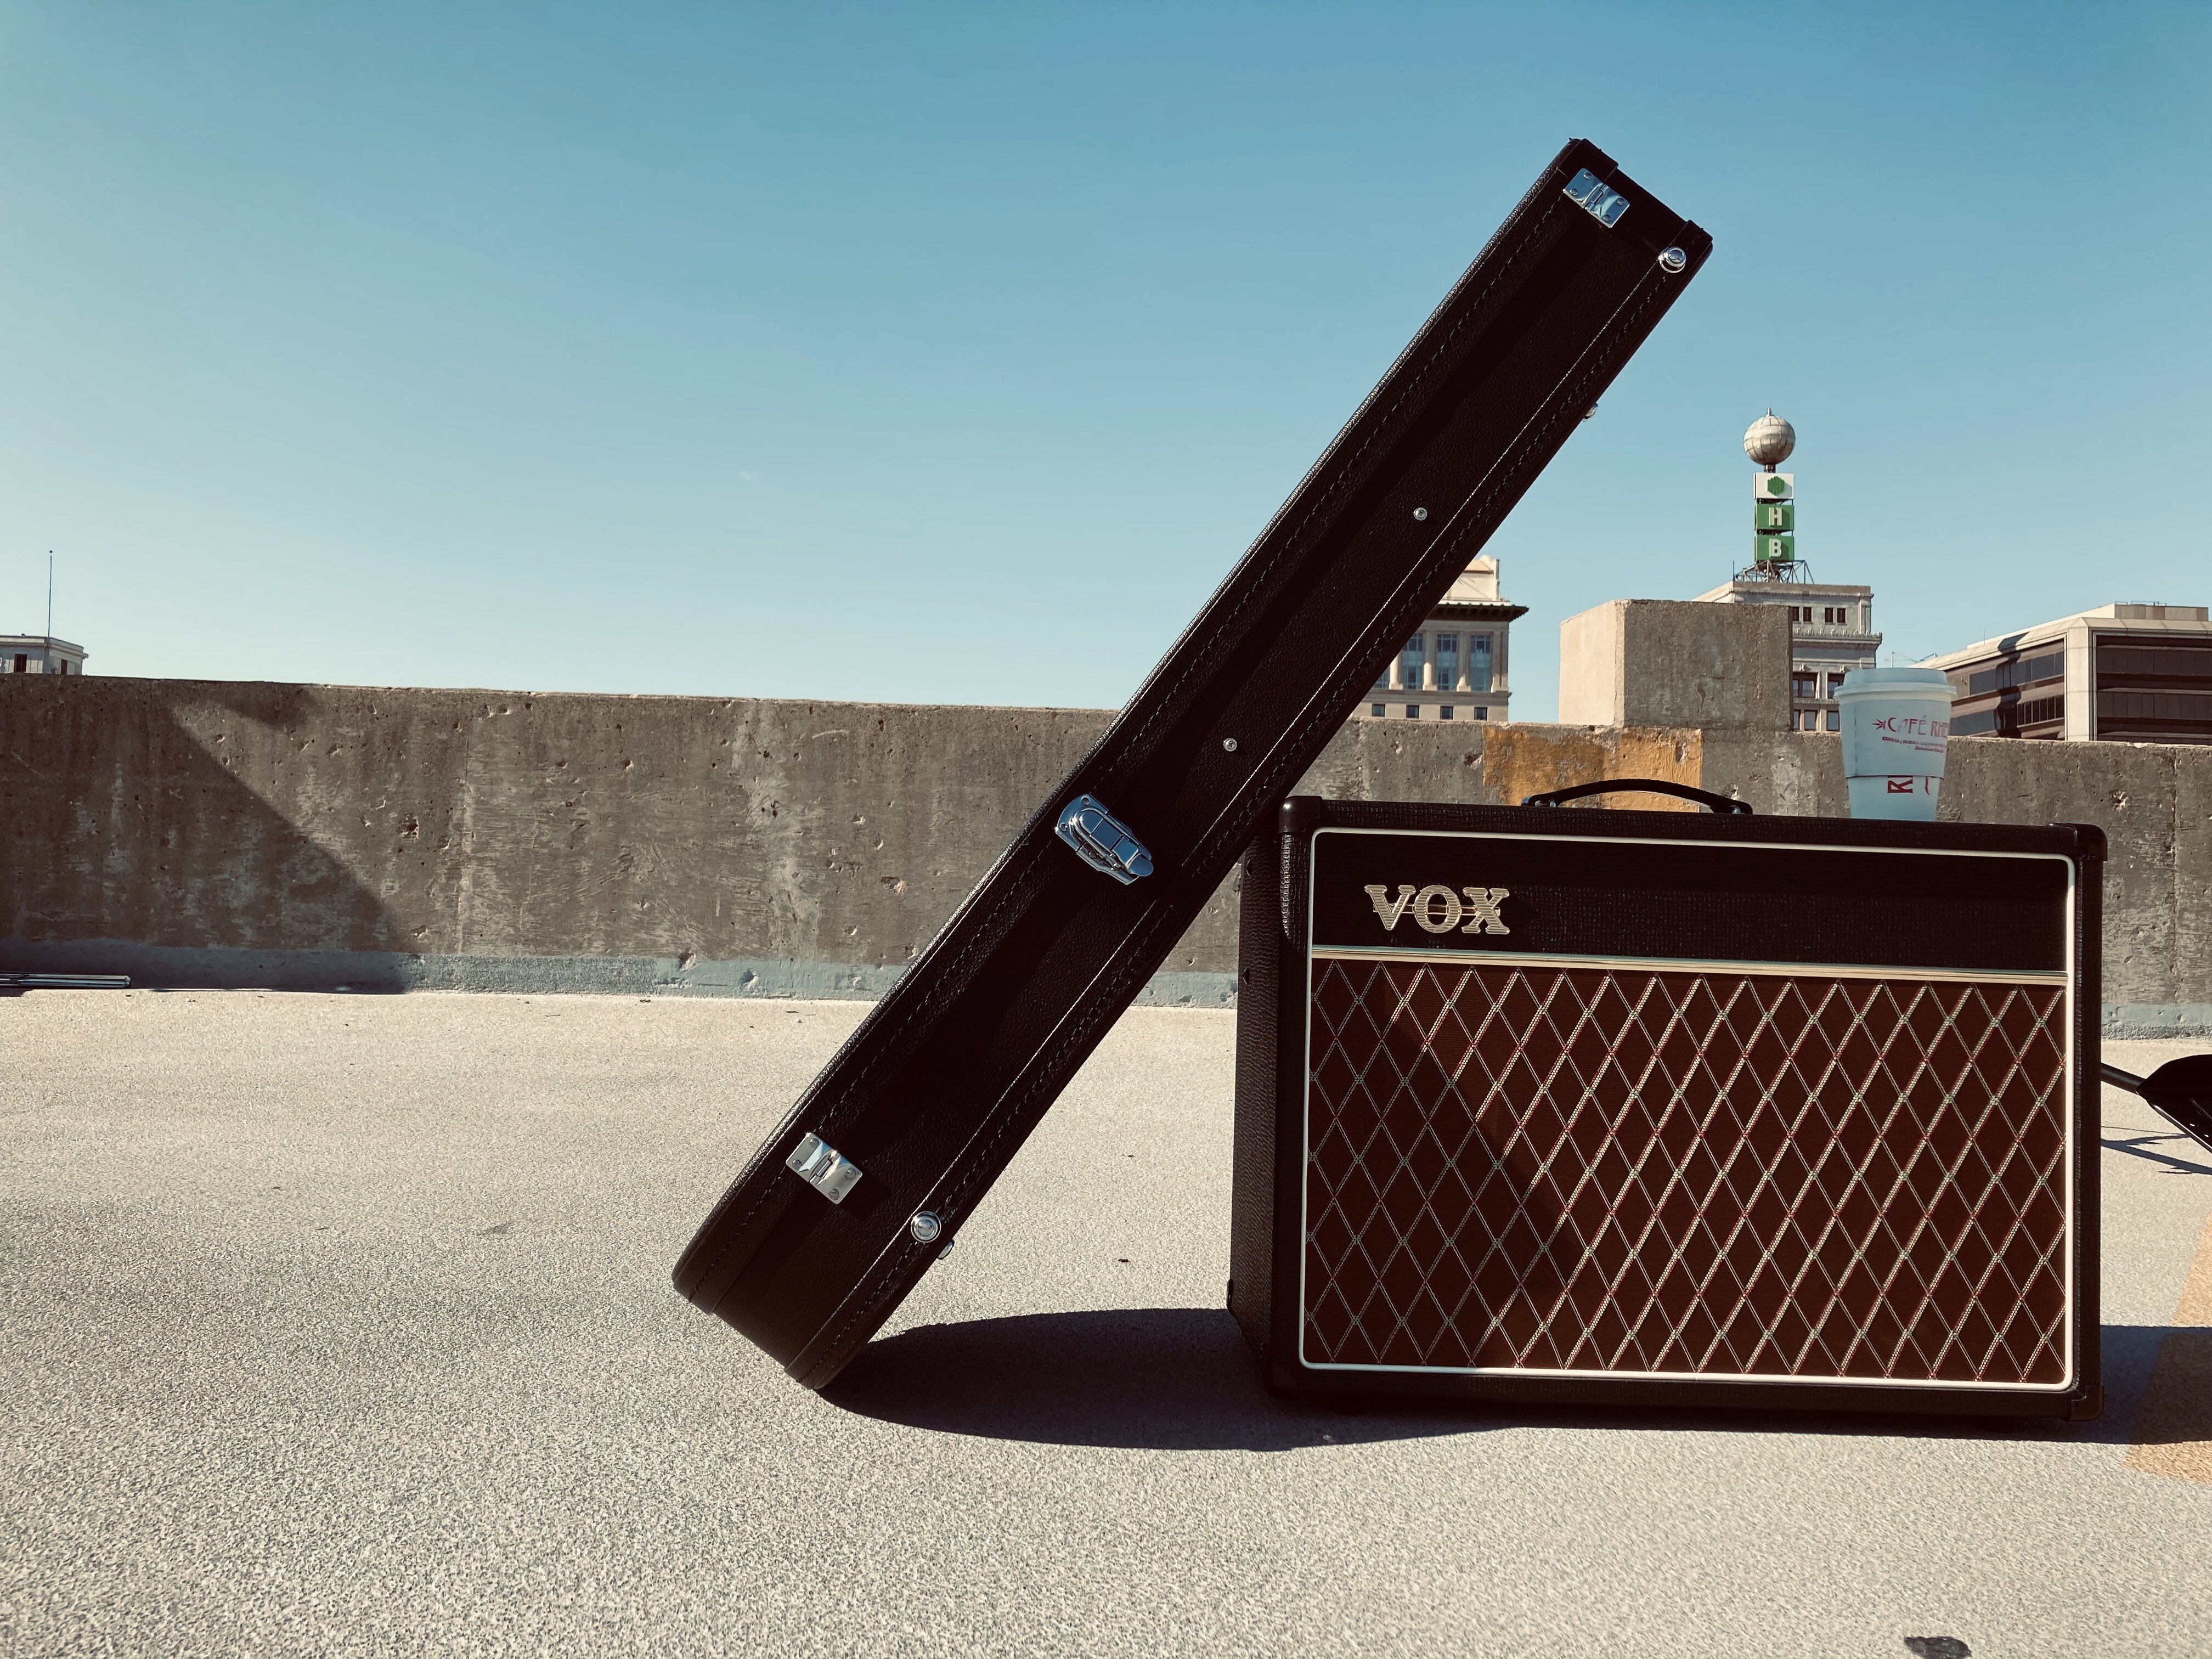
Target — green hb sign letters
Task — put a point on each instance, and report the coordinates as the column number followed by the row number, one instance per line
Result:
column 1774, row 515
column 1773, row 550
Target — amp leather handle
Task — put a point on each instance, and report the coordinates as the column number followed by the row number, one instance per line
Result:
column 1704, row 798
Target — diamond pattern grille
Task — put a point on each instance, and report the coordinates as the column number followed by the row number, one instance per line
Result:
column 1681, row 1173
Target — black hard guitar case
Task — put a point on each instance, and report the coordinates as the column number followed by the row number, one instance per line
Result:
column 892, row 1146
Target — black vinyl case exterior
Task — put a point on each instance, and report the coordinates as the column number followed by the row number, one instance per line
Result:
column 1632, row 1108
column 948, row 1074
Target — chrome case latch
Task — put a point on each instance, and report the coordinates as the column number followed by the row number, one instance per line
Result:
column 823, row 1168
column 1102, row 840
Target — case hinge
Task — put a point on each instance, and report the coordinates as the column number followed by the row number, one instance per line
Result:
column 823, row 1168
column 1604, row 205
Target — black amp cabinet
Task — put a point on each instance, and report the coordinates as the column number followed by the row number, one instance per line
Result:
column 1626, row 1108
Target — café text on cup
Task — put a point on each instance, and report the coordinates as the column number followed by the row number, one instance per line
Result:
column 1910, row 727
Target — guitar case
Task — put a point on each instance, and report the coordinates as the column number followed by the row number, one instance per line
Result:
column 889, row 1151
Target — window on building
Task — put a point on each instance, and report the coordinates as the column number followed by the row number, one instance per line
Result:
column 1478, row 663
column 2153, row 690
column 1447, row 661
column 2026, row 672
column 1412, row 711
column 1836, row 616
column 1802, row 684
column 2007, row 720
column 22, row 662
column 1376, row 709
column 62, row 666
column 1444, row 713
column 1835, row 719
column 1482, row 713
column 1409, row 664
column 1835, row 684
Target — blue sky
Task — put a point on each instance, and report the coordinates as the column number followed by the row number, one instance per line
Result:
column 954, row 353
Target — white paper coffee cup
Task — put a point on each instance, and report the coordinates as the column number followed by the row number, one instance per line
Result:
column 1896, row 724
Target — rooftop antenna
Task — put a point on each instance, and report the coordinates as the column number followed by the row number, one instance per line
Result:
column 1768, row 443
column 49, row 595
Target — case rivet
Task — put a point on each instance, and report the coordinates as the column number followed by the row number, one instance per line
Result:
column 926, row 1227
column 1673, row 261
column 1229, row 744
column 1420, row 512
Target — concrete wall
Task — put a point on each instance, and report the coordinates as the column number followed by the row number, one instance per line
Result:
column 238, row 834
column 1676, row 662
column 2153, row 802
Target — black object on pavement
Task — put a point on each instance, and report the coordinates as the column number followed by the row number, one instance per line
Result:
column 1669, row 1109
column 889, row 1150
column 2180, row 1091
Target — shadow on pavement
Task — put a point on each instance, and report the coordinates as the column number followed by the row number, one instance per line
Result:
column 1180, row 1379
column 2174, row 1154
column 1171, row 1379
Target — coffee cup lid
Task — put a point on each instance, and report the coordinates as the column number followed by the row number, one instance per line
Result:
column 1895, row 679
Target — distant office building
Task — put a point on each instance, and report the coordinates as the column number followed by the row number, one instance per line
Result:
column 1831, row 632
column 2124, row 673
column 1454, row 668
column 39, row 653
column 1831, row 623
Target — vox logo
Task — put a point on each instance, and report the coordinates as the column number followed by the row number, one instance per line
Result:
column 1440, row 910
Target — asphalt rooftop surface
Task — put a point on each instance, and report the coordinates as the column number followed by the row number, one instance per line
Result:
column 342, row 1325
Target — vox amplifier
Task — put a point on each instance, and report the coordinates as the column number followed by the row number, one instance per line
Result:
column 1628, row 1108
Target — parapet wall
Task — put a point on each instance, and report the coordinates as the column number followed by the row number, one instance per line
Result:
column 216, row 833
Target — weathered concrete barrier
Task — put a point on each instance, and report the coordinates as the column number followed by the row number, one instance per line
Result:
column 224, row 834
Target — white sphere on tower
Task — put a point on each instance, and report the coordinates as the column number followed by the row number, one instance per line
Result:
column 1769, row 439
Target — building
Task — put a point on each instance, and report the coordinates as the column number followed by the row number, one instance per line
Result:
column 1831, row 623
column 1832, row 632
column 39, row 653
column 1456, row 667
column 2126, row 673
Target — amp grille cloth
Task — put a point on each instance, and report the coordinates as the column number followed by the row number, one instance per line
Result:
column 1681, row 1173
